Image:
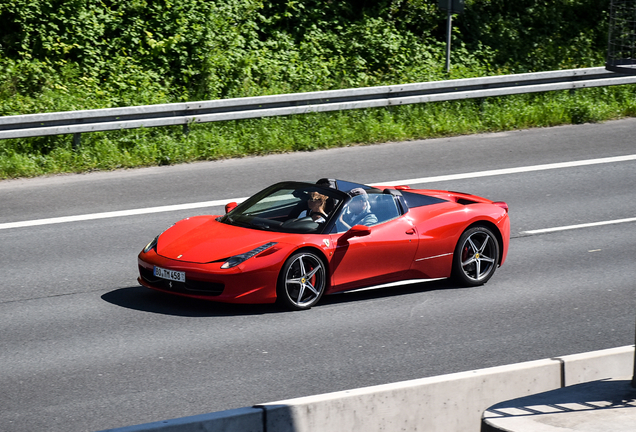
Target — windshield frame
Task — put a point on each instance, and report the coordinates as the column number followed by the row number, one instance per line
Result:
column 240, row 216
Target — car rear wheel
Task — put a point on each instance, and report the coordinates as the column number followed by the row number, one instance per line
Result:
column 302, row 281
column 476, row 256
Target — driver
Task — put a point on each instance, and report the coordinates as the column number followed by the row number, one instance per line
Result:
column 316, row 203
column 358, row 211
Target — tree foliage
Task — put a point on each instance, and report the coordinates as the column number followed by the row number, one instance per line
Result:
column 533, row 35
column 78, row 54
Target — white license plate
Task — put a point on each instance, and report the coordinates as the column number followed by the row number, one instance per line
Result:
column 173, row 275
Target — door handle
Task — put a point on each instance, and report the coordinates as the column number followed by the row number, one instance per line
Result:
column 410, row 231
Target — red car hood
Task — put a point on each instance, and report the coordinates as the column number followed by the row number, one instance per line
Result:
column 202, row 239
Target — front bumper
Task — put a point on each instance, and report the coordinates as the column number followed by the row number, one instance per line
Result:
column 251, row 282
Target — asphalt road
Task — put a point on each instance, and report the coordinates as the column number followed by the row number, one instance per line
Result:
column 83, row 347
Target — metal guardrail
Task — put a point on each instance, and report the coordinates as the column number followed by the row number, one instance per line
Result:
column 77, row 122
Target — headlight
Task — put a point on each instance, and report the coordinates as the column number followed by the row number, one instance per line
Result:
column 237, row 259
column 152, row 244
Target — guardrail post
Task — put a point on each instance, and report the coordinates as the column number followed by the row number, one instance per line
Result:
column 77, row 139
column 449, row 25
column 451, row 6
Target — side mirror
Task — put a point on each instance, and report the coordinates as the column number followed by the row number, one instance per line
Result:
column 230, row 206
column 359, row 231
column 354, row 231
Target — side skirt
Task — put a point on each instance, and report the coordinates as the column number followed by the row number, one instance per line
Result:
column 391, row 284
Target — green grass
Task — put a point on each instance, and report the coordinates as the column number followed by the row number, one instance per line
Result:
column 169, row 145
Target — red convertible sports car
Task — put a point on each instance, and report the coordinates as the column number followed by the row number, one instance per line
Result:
column 293, row 242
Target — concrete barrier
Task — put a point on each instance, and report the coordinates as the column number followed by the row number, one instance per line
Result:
column 448, row 403
column 597, row 365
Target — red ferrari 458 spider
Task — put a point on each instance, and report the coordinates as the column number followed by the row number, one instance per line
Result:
column 293, row 242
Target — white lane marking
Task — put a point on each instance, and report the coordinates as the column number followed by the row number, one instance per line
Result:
column 121, row 213
column 571, row 227
column 509, row 171
column 477, row 174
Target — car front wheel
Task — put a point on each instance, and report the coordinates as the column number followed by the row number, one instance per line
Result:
column 302, row 281
column 476, row 256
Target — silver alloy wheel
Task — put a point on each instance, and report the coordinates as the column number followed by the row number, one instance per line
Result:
column 479, row 255
column 304, row 280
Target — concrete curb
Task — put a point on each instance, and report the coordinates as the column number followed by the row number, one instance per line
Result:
column 448, row 403
column 597, row 406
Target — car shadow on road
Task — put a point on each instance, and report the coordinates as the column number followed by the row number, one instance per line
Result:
column 146, row 300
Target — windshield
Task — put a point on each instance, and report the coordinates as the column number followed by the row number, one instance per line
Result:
column 288, row 207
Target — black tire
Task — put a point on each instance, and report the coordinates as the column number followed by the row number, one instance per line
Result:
column 302, row 281
column 476, row 257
